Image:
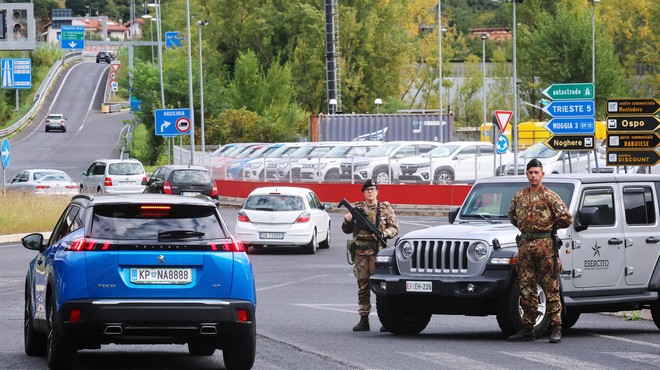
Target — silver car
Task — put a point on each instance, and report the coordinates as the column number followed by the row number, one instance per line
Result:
column 113, row 176
column 42, row 182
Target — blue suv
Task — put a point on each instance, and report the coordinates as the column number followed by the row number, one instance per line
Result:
column 139, row 269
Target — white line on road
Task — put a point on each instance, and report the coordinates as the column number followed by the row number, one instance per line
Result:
column 643, row 357
column 562, row 362
column 445, row 360
column 627, row 340
column 291, row 283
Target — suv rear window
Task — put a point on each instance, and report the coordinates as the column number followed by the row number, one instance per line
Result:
column 125, row 169
column 147, row 221
column 191, row 177
column 272, row 202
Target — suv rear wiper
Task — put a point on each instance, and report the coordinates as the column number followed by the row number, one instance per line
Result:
column 179, row 234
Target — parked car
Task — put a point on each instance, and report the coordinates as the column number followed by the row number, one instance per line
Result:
column 284, row 216
column 182, row 180
column 114, row 176
column 55, row 121
column 554, row 161
column 287, row 169
column 235, row 167
column 103, row 56
column 139, row 269
column 42, row 182
column 381, row 163
column 255, row 168
column 221, row 163
column 454, row 162
column 326, row 168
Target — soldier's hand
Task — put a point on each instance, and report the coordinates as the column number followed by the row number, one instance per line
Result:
column 348, row 217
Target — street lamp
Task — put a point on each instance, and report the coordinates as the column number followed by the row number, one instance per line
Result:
column 484, row 37
column 160, row 64
column 593, row 42
column 440, row 139
column 200, row 24
column 378, row 103
column 333, row 105
column 151, row 30
column 190, row 88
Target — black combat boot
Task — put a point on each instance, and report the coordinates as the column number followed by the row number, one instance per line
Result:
column 363, row 325
column 555, row 334
column 525, row 335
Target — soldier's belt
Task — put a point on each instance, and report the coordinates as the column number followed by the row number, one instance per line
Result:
column 366, row 247
column 534, row 236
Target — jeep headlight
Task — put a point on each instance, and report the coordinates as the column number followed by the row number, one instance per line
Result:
column 478, row 251
column 406, row 250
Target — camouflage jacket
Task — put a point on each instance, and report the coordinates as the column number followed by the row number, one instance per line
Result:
column 537, row 213
column 387, row 223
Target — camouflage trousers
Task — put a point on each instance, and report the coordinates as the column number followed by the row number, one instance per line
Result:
column 363, row 269
column 535, row 266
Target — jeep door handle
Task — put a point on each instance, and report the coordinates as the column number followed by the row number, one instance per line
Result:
column 614, row 241
column 652, row 239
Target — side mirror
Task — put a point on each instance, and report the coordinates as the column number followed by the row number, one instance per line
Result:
column 84, row 173
column 33, row 241
column 327, row 206
column 453, row 213
column 585, row 217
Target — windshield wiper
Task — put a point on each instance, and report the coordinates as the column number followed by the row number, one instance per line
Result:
column 482, row 216
column 179, row 234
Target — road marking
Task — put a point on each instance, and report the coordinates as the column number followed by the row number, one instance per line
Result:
column 563, row 362
column 627, row 340
column 643, row 357
column 447, row 360
column 291, row 283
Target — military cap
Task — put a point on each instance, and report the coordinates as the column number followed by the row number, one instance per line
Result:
column 534, row 163
column 369, row 183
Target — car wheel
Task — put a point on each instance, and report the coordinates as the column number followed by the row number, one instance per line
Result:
column 569, row 319
column 332, row 176
column 382, row 176
column 201, row 349
column 99, row 190
column 397, row 320
column 64, row 129
column 240, row 353
column 509, row 315
column 443, row 177
column 313, row 244
column 34, row 341
column 47, row 129
column 326, row 243
column 655, row 312
column 59, row 353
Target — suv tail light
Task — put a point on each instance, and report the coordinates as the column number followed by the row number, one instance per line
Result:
column 214, row 190
column 144, row 181
column 234, row 246
column 167, row 188
column 304, row 217
column 84, row 245
column 243, row 217
column 107, row 181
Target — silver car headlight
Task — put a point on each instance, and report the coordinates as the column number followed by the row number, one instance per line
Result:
column 255, row 165
column 478, row 251
column 406, row 250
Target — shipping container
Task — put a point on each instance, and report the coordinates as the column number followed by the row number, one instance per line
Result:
column 381, row 127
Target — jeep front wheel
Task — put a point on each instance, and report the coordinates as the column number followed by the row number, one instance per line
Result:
column 509, row 312
column 655, row 312
column 398, row 320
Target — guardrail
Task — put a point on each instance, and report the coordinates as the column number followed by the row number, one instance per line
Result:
column 41, row 92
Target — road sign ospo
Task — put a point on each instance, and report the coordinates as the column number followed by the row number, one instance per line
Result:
column 633, row 123
column 570, row 142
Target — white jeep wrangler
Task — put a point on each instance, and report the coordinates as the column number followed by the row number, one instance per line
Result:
column 610, row 256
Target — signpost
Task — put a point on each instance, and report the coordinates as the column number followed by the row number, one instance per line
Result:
column 570, row 108
column 73, row 37
column 172, row 122
column 632, row 158
column 570, row 91
column 633, row 123
column 503, row 118
column 502, row 144
column 570, row 142
column 633, row 106
column 4, row 156
column 172, row 39
column 633, row 141
column 575, row 125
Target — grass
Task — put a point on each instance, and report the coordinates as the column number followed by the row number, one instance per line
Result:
column 37, row 213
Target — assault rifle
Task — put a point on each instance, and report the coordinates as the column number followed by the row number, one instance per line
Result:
column 556, row 246
column 362, row 222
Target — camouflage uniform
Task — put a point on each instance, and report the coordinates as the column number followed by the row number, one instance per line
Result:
column 367, row 247
column 534, row 215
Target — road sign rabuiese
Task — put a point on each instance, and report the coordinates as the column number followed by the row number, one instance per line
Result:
column 570, row 142
column 633, row 141
column 633, row 123
column 571, row 91
column 632, row 157
column 633, row 106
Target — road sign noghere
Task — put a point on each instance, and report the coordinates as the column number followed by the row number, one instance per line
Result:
column 631, row 132
column 573, row 110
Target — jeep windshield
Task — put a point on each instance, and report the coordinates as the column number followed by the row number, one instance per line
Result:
column 491, row 201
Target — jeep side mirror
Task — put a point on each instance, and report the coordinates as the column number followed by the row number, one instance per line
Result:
column 453, row 213
column 587, row 216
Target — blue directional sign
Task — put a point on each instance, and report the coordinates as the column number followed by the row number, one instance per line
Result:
column 7, row 69
column 73, row 37
column 22, row 73
column 135, row 104
column 502, row 144
column 575, row 125
column 568, row 108
column 172, row 122
column 4, row 153
column 172, row 39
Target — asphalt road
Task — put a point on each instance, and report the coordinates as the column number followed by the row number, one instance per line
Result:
column 306, row 307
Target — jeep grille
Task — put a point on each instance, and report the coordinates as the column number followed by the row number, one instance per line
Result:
column 432, row 256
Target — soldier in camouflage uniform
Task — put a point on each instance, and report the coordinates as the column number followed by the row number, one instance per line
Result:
column 382, row 216
column 534, row 210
